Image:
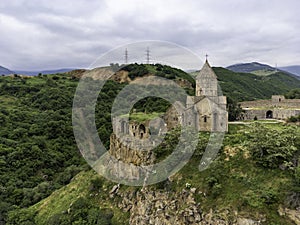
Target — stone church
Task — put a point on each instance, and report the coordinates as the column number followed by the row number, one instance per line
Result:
column 206, row 111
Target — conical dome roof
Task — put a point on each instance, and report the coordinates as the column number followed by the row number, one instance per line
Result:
column 206, row 72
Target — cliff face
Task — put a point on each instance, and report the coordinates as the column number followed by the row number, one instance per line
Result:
column 153, row 206
column 127, row 154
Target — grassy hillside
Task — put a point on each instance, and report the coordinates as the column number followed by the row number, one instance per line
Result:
column 239, row 181
column 264, row 72
column 83, row 194
column 247, row 86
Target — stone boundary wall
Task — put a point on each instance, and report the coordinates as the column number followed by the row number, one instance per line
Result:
column 288, row 103
column 280, row 114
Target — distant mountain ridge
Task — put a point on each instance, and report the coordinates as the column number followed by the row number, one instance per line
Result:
column 263, row 69
column 249, row 67
column 5, row 71
column 35, row 73
column 292, row 69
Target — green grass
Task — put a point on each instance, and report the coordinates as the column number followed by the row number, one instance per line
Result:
column 61, row 200
column 263, row 72
column 142, row 117
column 260, row 121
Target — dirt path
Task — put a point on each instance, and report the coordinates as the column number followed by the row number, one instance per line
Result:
column 270, row 121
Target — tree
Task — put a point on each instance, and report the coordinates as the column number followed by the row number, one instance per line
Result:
column 22, row 216
column 293, row 94
column 234, row 109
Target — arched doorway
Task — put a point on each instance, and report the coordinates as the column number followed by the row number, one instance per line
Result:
column 269, row 114
column 142, row 130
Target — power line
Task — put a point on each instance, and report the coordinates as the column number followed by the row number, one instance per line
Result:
column 148, row 55
column 126, row 56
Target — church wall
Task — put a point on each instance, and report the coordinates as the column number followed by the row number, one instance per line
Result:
column 212, row 116
column 205, row 116
column 206, row 87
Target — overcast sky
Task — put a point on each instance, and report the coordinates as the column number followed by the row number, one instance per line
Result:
column 44, row 34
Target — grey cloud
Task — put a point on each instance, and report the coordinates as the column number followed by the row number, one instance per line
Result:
column 74, row 33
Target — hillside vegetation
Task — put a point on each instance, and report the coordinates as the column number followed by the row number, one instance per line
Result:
column 38, row 153
column 252, row 177
column 247, row 86
column 39, row 156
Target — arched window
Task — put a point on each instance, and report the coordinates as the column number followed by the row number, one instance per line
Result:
column 205, row 119
column 269, row 114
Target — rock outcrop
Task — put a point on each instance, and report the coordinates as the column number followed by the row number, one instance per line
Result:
column 159, row 207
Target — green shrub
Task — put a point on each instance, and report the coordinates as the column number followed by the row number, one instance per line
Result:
column 96, row 184
column 273, row 147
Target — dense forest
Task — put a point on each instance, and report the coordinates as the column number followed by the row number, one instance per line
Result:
column 38, row 151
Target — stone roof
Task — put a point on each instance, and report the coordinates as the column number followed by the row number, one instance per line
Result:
column 206, row 72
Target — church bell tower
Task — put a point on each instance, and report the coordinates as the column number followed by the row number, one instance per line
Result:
column 206, row 82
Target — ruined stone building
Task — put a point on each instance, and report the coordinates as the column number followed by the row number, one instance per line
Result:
column 275, row 108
